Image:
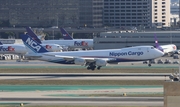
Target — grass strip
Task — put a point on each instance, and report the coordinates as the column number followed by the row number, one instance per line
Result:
column 80, row 82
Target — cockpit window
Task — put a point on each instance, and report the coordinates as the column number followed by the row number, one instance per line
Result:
column 152, row 47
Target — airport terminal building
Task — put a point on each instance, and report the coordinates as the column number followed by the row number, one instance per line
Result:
column 119, row 39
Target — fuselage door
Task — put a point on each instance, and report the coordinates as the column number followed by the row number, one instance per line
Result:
column 147, row 49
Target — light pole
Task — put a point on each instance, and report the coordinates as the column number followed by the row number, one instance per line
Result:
column 155, row 27
column 57, row 20
column 170, row 34
column 53, row 34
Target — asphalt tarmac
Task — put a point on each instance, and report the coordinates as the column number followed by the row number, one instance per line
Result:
column 102, row 101
column 74, row 97
column 89, row 76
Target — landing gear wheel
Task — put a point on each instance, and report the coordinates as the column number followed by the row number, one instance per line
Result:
column 93, row 68
column 99, row 67
column 149, row 65
column 88, row 68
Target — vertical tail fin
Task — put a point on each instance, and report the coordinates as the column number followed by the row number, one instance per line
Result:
column 32, row 45
column 65, row 34
column 157, row 44
column 156, row 41
column 33, row 35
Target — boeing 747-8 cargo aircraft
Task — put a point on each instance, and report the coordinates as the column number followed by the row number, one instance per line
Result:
column 92, row 58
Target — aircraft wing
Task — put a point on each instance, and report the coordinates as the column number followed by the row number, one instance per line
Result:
column 88, row 59
column 70, row 58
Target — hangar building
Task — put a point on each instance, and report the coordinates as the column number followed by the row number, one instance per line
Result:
column 118, row 39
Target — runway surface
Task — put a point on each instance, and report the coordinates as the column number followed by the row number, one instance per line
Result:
column 42, row 64
column 88, row 76
column 81, row 95
column 102, row 101
column 84, row 74
column 84, row 78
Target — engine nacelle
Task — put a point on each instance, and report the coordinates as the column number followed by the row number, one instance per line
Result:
column 101, row 62
column 65, row 48
column 79, row 61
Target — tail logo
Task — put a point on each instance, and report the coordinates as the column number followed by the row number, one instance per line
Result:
column 48, row 47
column 33, row 44
column 10, row 48
column 65, row 35
column 174, row 47
column 82, row 43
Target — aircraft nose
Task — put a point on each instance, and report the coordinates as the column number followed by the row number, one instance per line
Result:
column 159, row 53
column 61, row 48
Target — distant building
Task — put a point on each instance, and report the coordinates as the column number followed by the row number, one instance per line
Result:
column 147, row 13
column 174, row 12
column 39, row 13
column 91, row 13
column 86, row 13
column 48, row 13
column 175, row 8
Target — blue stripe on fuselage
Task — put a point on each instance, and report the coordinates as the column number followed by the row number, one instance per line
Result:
column 62, row 61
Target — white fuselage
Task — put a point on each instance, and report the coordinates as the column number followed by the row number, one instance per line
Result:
column 171, row 48
column 52, row 47
column 21, row 49
column 13, row 49
column 75, row 43
column 138, row 53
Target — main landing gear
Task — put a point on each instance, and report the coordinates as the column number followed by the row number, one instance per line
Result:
column 99, row 67
column 92, row 67
column 20, row 58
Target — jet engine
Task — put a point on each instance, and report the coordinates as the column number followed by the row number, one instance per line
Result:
column 79, row 61
column 101, row 62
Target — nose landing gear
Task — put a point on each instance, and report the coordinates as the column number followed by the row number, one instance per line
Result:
column 149, row 63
